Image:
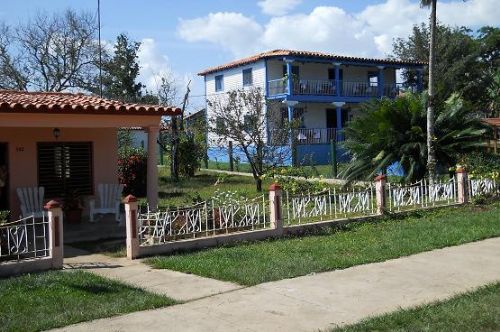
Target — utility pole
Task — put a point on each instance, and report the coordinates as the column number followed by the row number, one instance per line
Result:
column 100, row 51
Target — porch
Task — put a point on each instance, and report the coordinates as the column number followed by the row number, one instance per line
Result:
column 68, row 143
column 304, row 88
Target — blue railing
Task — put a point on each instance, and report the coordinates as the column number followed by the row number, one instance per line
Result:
column 329, row 88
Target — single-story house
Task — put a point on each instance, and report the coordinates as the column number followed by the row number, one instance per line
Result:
column 66, row 141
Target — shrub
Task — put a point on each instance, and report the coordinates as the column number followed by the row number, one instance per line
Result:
column 480, row 164
column 190, row 155
column 132, row 171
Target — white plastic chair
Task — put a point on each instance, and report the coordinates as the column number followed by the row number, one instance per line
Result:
column 31, row 199
column 108, row 200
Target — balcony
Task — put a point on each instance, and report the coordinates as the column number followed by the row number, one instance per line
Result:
column 309, row 136
column 328, row 88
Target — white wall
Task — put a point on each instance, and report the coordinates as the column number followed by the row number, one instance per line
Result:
column 232, row 80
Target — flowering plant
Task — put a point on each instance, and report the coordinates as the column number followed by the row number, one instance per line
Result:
column 132, row 171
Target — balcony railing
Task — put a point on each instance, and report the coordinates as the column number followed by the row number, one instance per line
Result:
column 329, row 88
column 308, row 136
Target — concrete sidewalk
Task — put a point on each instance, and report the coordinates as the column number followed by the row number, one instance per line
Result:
column 325, row 300
column 176, row 285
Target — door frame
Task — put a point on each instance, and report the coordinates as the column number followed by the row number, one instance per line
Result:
column 7, row 182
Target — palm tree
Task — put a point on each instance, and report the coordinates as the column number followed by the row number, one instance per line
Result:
column 431, row 153
column 393, row 131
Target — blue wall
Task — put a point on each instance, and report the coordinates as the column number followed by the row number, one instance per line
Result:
column 319, row 154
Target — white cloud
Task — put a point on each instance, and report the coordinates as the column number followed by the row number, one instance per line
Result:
column 233, row 31
column 278, row 7
column 153, row 64
column 369, row 32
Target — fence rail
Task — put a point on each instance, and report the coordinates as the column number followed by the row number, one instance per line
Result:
column 328, row 205
column 421, row 194
column 478, row 187
column 203, row 220
column 26, row 238
column 329, row 88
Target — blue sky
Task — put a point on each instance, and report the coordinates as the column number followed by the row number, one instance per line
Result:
column 184, row 37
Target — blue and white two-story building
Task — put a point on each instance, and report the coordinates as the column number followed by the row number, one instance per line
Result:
column 322, row 91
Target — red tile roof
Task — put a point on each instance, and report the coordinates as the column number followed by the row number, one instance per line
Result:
column 308, row 54
column 71, row 103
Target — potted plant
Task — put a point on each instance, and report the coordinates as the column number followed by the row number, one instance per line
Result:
column 72, row 206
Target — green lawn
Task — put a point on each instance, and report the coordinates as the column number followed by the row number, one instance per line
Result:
column 203, row 186
column 35, row 302
column 355, row 243
column 474, row 311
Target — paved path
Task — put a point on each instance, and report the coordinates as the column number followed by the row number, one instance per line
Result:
column 176, row 285
column 339, row 182
column 325, row 300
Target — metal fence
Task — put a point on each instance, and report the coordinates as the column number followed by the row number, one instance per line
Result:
column 327, row 205
column 421, row 194
column 26, row 238
column 202, row 220
column 479, row 187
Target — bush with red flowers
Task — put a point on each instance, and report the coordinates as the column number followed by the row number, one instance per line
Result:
column 132, row 171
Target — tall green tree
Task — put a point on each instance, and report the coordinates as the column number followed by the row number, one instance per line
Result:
column 465, row 60
column 121, row 71
column 390, row 131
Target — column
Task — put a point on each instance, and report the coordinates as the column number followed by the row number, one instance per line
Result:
column 462, row 194
column 55, row 216
column 275, row 207
column 337, row 78
column 152, row 179
column 338, row 110
column 420, row 84
column 380, row 81
column 289, row 81
column 380, row 193
column 132, row 241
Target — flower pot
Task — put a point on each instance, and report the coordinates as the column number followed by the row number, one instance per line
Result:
column 73, row 216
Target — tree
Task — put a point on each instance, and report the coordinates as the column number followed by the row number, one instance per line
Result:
column 431, row 154
column 465, row 60
column 50, row 53
column 240, row 116
column 394, row 131
column 121, row 71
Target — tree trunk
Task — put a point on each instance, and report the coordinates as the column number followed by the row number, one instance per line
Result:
column 258, row 184
column 174, row 157
column 431, row 153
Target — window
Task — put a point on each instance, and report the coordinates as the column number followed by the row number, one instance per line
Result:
column 218, row 83
column 247, row 77
column 295, row 71
column 65, row 167
column 373, row 78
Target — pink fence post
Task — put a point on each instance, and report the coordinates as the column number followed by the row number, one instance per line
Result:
column 275, row 207
column 380, row 193
column 131, row 226
column 462, row 194
column 55, row 216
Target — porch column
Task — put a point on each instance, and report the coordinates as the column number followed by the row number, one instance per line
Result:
column 152, row 181
column 380, row 80
column 289, row 81
column 338, row 109
column 337, row 78
column 420, row 84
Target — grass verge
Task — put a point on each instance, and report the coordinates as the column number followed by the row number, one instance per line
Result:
column 477, row 310
column 35, row 302
column 352, row 244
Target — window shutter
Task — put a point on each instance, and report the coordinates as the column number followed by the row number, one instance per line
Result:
column 65, row 167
